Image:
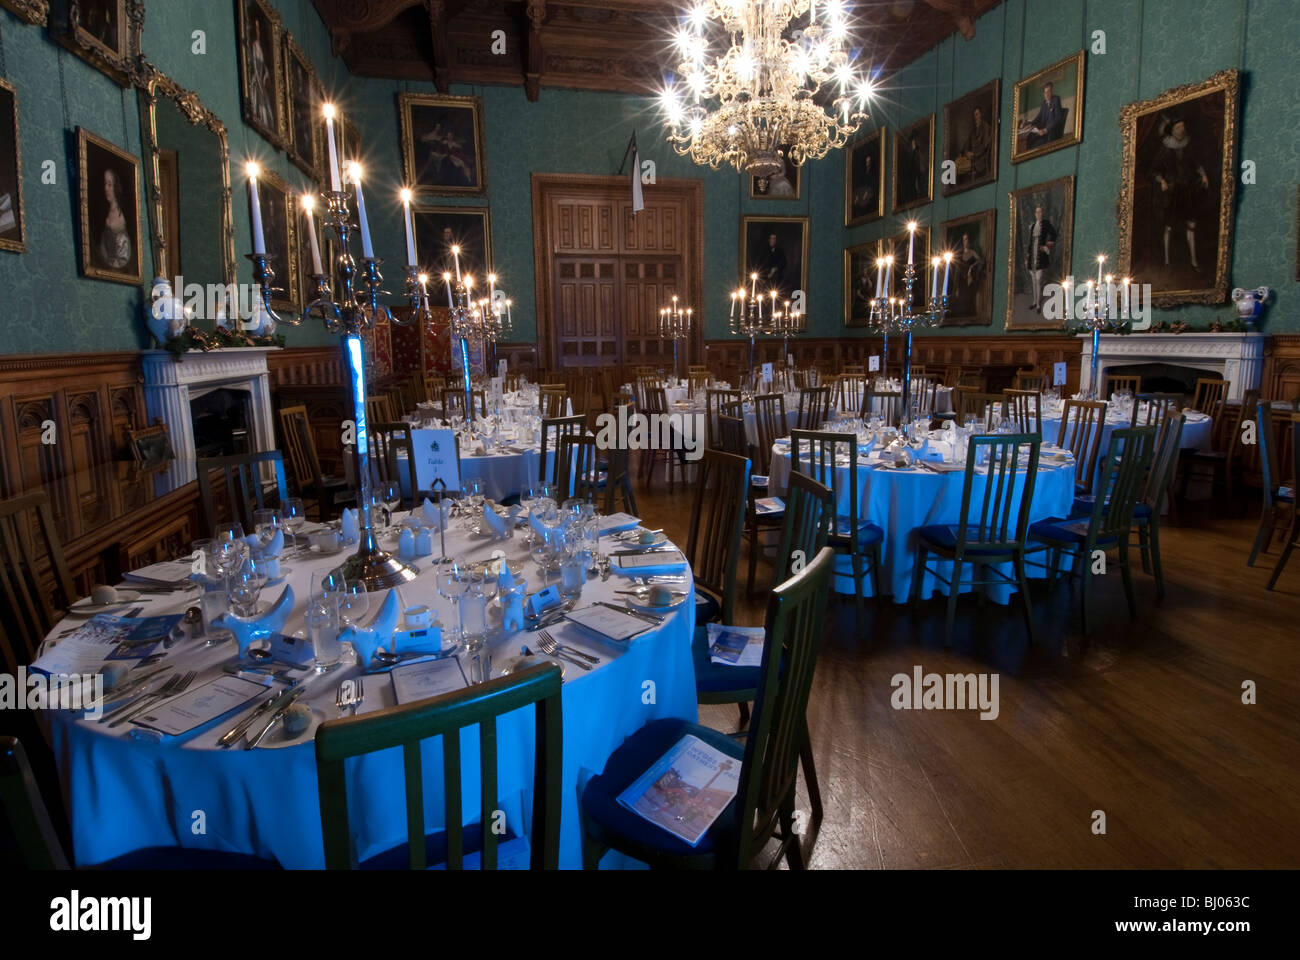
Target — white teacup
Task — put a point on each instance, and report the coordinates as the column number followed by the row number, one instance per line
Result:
column 325, row 540
column 417, row 617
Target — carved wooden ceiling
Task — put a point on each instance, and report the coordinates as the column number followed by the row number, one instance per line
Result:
column 584, row 44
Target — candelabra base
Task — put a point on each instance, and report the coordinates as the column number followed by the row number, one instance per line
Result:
column 376, row 569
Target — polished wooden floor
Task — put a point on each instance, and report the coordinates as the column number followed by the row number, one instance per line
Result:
column 1144, row 722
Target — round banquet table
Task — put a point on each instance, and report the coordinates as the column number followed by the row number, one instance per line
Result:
column 1197, row 433
column 125, row 793
column 900, row 501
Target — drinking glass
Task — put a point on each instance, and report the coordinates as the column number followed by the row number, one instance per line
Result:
column 451, row 587
column 212, row 604
column 322, row 620
column 244, row 586
column 228, row 549
column 293, row 515
column 354, row 602
column 473, row 607
column 390, row 493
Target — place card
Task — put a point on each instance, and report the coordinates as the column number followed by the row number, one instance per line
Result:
column 202, row 705
column 608, row 622
column 429, row 678
column 171, row 573
column 617, row 522
column 661, row 558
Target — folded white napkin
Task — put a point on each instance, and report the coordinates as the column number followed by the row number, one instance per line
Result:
column 432, row 515
column 366, row 640
column 494, row 521
column 275, row 547
column 351, row 527
column 246, row 630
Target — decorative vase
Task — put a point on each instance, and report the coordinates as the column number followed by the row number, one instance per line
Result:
column 165, row 314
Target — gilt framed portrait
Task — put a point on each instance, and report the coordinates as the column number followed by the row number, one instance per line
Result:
column 437, row 230
column 104, row 33
column 305, row 142
column 442, row 144
column 896, row 246
column 35, row 12
column 109, row 187
column 775, row 248
column 12, row 219
column 780, row 186
column 864, row 179
column 260, row 73
column 1041, row 225
column 972, row 242
column 970, row 139
column 280, row 227
column 1177, row 187
column 1048, row 109
column 860, row 282
column 913, row 174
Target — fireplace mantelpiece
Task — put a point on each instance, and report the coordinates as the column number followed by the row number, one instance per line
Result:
column 1237, row 357
column 169, row 385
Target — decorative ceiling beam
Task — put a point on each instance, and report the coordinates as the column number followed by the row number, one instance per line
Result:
column 533, row 55
column 437, row 11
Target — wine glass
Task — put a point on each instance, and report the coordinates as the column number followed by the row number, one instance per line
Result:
column 390, row 492
column 293, row 515
column 228, row 549
column 451, row 587
column 354, row 602
column 244, row 586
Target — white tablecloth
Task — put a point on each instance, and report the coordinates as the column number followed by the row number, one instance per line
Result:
column 504, row 473
column 899, row 501
column 124, row 794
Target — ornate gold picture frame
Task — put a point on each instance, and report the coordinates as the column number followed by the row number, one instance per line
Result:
column 13, row 215
column 912, row 176
column 970, row 138
column 864, row 179
column 1177, row 187
column 1038, row 257
column 442, row 144
column 280, row 215
column 304, row 95
column 35, row 12
column 106, row 34
column 108, row 185
column 973, row 242
column 860, row 282
column 1047, row 109
column 261, row 77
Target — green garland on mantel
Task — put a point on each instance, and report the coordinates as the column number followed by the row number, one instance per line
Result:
column 1176, row 327
column 192, row 338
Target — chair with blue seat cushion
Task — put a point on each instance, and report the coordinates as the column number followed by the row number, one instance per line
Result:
column 1082, row 424
column 1160, row 481
column 993, row 525
column 407, row 726
column 831, row 458
column 768, row 758
column 1277, row 489
column 1108, row 525
column 1292, row 539
column 769, row 425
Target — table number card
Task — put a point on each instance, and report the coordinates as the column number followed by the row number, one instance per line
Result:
column 435, row 458
column 501, row 370
column 767, row 372
column 873, row 364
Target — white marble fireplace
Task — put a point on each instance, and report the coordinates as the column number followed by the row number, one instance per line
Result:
column 1237, row 357
column 170, row 385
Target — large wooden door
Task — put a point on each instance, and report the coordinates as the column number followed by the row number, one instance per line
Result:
column 603, row 274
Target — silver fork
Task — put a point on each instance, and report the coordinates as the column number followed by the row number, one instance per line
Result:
column 350, row 696
column 550, row 645
column 552, row 649
column 176, row 684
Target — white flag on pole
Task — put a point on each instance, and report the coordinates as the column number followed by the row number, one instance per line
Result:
column 638, row 199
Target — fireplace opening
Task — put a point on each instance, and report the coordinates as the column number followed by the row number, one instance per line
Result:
column 222, row 420
column 1163, row 377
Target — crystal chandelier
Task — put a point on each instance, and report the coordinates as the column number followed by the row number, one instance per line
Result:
column 769, row 85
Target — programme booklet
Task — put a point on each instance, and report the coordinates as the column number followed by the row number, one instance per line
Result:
column 686, row 790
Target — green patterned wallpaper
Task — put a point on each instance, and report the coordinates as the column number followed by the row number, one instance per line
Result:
column 1150, row 47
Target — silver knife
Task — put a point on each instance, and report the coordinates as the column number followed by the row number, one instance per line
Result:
column 275, row 717
column 234, row 733
column 648, row 618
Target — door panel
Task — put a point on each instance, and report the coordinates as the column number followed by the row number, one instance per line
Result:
column 586, row 311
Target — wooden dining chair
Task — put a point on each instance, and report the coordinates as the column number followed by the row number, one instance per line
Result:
column 1220, row 465
column 151, row 447
column 242, row 475
column 982, row 406
column 814, row 407
column 972, row 381
column 1112, row 384
column 1211, row 397
column 882, row 403
column 1024, row 410
column 768, row 760
column 1031, row 380
column 379, row 409
column 35, row 585
column 618, row 469
column 655, row 409
column 453, row 403
column 769, row 425
column 389, row 441
column 446, row 716
column 713, row 549
column 853, row 370
column 1110, row 522
column 925, row 396
column 1082, row 424
column 731, row 431
column 697, row 384
column 1147, row 514
column 309, row 480
column 850, row 388
column 713, row 400
column 952, row 375
column 577, row 470
column 553, row 430
column 552, row 400
column 831, row 459
column 992, row 526
column 1152, row 409
column 1292, row 537
column 1277, row 484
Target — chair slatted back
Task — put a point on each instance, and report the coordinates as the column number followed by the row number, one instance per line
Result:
column 925, row 394
column 850, row 390
column 619, row 468
column 513, row 382
column 717, row 521
column 831, row 458
column 577, row 386
column 853, row 370
column 453, row 402
column 769, row 425
column 445, row 716
column 808, row 515
column 575, row 472
column 731, row 433
column 713, row 401
column 796, row 617
column 1128, row 460
column 1275, row 449
column 379, row 408
column 814, row 407
column 982, row 406
column 242, row 474
column 972, row 381
column 1153, row 409
column 1164, row 465
column 296, row 439
column 999, row 518
column 697, row 383
column 1025, row 410
column 25, row 823
column 33, row 600
column 388, row 441
column 1211, row 398
column 882, row 403
column 553, row 430
column 1245, row 412
column 1120, row 383
column 1082, row 424
column 646, row 382
column 1029, row 380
